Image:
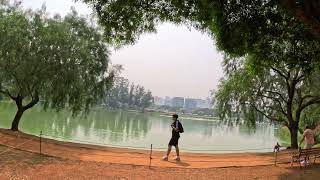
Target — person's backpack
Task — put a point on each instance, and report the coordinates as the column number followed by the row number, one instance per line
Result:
column 180, row 127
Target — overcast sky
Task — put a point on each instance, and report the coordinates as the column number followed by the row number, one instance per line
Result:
column 176, row 61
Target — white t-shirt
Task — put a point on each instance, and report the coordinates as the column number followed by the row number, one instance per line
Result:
column 308, row 137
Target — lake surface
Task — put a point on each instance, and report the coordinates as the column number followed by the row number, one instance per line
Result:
column 139, row 130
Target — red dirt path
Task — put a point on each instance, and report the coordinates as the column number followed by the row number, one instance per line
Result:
column 77, row 161
column 83, row 152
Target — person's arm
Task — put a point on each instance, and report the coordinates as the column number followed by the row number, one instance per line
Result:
column 302, row 138
column 175, row 128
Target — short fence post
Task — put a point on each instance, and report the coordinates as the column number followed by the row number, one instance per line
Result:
column 275, row 159
column 150, row 157
column 40, row 142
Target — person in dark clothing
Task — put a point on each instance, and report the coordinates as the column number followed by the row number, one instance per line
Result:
column 177, row 128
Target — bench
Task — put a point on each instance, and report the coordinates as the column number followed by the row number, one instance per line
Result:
column 303, row 154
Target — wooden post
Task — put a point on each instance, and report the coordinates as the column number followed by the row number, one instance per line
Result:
column 40, row 142
column 150, row 157
column 275, row 159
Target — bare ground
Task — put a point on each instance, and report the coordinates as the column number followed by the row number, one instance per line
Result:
column 77, row 163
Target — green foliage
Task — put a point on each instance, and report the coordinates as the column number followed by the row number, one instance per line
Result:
column 59, row 61
column 123, row 96
column 125, row 20
column 271, row 58
column 239, row 26
column 279, row 92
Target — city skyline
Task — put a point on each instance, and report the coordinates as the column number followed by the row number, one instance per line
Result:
column 183, row 102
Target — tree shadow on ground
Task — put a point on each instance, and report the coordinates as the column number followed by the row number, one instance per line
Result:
column 180, row 163
column 311, row 172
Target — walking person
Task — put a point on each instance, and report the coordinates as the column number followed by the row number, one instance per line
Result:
column 177, row 128
column 308, row 139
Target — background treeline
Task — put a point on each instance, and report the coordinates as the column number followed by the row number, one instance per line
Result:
column 128, row 96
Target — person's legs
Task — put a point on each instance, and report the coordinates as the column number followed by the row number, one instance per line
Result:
column 165, row 158
column 173, row 142
column 177, row 150
column 308, row 146
column 169, row 150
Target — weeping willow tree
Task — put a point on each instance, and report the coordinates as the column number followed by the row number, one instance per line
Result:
column 62, row 62
column 279, row 92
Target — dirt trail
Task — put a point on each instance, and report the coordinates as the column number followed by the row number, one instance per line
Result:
column 18, row 164
column 74, row 151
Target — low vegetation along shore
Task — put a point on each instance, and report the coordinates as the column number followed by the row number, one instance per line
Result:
column 60, row 160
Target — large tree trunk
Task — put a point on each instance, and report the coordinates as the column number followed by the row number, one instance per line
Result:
column 16, row 120
column 294, row 137
column 21, row 109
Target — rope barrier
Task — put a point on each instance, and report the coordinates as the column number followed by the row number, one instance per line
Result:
column 93, row 143
column 279, row 160
column 226, row 150
column 15, row 147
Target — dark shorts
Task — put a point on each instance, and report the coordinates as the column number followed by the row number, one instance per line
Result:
column 174, row 141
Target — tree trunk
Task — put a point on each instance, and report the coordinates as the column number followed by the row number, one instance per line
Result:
column 294, row 137
column 16, row 120
column 21, row 109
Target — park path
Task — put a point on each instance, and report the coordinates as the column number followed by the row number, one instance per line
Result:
column 84, row 152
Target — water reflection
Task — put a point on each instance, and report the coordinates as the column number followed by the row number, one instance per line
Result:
column 123, row 128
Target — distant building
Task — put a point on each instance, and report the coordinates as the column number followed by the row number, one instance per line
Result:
column 167, row 101
column 186, row 103
column 190, row 103
column 202, row 104
column 159, row 101
column 177, row 102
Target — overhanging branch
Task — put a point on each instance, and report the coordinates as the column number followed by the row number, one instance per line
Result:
column 315, row 100
column 34, row 101
column 279, row 94
column 278, row 102
column 263, row 113
column 7, row 93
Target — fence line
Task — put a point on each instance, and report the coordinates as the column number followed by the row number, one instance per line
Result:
column 279, row 161
column 93, row 143
column 10, row 148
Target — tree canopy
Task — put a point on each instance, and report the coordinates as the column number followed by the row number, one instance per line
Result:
column 60, row 61
column 307, row 12
column 123, row 96
column 237, row 26
column 281, row 92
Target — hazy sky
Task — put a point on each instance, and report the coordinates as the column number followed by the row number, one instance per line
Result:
column 176, row 61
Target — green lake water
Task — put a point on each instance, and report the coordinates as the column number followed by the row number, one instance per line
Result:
column 139, row 130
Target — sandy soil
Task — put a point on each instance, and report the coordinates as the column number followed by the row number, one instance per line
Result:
column 76, row 161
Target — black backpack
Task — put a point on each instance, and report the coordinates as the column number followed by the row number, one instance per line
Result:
column 180, row 127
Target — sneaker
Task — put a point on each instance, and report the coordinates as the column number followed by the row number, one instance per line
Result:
column 177, row 158
column 165, row 158
column 303, row 163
